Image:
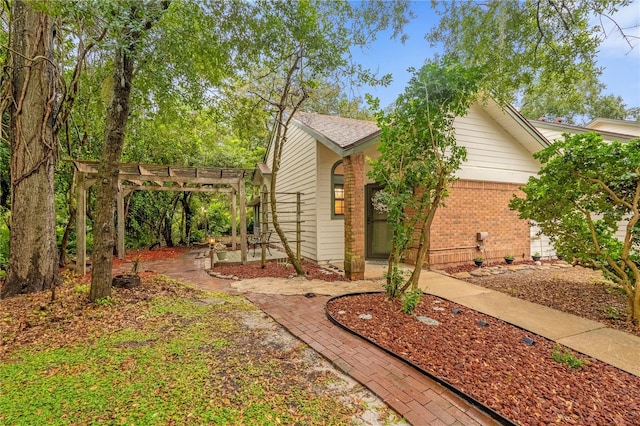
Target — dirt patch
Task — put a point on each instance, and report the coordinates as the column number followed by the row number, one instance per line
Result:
column 490, row 361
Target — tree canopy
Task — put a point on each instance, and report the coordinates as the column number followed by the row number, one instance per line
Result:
column 542, row 53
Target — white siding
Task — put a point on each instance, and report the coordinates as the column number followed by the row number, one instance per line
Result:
column 331, row 243
column 551, row 134
column 492, row 153
column 298, row 174
column 541, row 244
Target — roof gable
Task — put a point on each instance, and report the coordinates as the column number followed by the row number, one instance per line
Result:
column 342, row 135
column 337, row 132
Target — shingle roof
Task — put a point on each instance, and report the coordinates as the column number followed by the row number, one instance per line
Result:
column 344, row 132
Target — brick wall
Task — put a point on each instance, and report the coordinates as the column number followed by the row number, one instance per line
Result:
column 474, row 207
column 354, row 227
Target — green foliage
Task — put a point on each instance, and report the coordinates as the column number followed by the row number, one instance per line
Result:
column 567, row 357
column 104, row 301
column 612, row 313
column 410, row 300
column 4, row 237
column 394, row 281
column 541, row 55
column 585, row 200
column 419, row 155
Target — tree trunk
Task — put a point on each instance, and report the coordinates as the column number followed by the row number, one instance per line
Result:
column 108, row 170
column 188, row 216
column 65, row 238
column 33, row 261
column 425, row 235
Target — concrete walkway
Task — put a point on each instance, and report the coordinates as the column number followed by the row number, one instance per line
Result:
column 417, row 398
column 592, row 338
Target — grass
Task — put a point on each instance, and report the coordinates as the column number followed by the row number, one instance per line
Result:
column 567, row 357
column 183, row 361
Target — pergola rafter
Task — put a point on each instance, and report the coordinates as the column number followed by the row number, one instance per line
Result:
column 154, row 177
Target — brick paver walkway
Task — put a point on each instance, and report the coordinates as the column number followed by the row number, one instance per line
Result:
column 420, row 400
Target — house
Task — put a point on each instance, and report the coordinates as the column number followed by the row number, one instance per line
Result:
column 326, row 159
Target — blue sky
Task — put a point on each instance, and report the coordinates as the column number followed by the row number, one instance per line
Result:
column 621, row 64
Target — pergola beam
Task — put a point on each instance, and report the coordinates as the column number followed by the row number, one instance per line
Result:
column 132, row 177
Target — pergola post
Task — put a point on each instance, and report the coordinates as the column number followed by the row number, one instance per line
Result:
column 81, row 224
column 243, row 221
column 120, row 229
column 233, row 219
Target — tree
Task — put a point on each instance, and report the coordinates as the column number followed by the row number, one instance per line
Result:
column 311, row 52
column 418, row 158
column 532, row 47
column 39, row 97
column 584, row 191
column 137, row 20
column 32, row 108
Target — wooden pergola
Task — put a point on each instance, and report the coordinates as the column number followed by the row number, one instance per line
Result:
column 154, row 177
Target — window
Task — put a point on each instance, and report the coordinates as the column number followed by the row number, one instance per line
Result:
column 337, row 190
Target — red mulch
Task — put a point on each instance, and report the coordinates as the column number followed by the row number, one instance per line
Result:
column 161, row 253
column 493, row 365
column 279, row 270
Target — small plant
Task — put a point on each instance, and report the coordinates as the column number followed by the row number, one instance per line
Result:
column 508, row 257
column 566, row 357
column 219, row 246
column 612, row 313
column 536, row 254
column 135, row 266
column 82, row 288
column 410, row 300
column 478, row 259
column 104, row 301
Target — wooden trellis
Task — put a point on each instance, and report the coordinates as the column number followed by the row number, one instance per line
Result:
column 154, row 177
column 289, row 209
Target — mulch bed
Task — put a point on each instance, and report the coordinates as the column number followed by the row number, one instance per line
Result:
column 144, row 255
column 279, row 270
column 493, row 364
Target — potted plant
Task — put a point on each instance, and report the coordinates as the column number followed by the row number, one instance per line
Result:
column 478, row 261
column 536, row 256
column 509, row 259
column 221, row 251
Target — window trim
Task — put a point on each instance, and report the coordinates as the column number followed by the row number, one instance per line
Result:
column 336, row 180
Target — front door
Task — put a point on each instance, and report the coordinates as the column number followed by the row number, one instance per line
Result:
column 379, row 233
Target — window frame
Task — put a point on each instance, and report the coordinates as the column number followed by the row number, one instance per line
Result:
column 336, row 180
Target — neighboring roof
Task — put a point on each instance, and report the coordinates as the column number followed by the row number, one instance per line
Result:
column 570, row 128
column 631, row 127
column 342, row 133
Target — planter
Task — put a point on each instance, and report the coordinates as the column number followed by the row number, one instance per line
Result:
column 478, row 263
column 509, row 261
column 125, row 281
column 222, row 255
column 535, row 258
